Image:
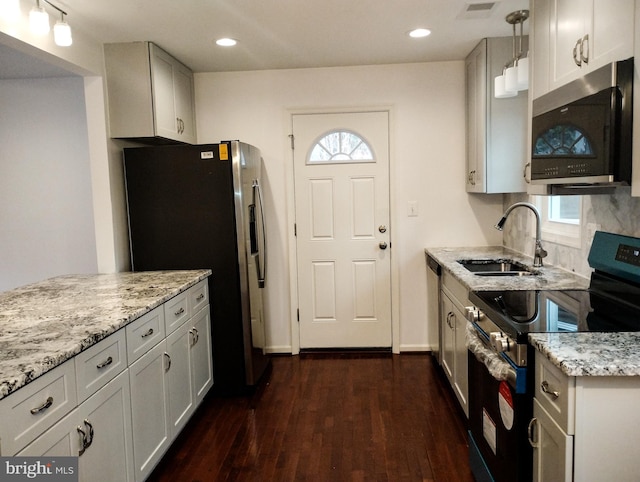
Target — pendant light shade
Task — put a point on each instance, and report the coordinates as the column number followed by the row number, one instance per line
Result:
column 523, row 73
column 500, row 91
column 62, row 34
column 39, row 20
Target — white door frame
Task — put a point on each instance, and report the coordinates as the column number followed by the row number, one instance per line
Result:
column 291, row 219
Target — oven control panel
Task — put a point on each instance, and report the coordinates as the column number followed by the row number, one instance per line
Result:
column 628, row 254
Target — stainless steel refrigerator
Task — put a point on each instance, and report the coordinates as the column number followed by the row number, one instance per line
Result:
column 200, row 206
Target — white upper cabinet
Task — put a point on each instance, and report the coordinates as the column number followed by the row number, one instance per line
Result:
column 151, row 94
column 574, row 37
column 496, row 128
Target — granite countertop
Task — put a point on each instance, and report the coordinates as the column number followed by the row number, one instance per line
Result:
column 548, row 277
column 575, row 354
column 591, row 354
column 46, row 323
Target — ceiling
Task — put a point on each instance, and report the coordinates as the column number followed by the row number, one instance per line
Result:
column 283, row 34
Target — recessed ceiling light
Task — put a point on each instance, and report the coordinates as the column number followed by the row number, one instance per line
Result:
column 419, row 33
column 226, row 42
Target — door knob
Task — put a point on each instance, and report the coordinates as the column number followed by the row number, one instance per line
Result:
column 382, row 228
column 383, row 245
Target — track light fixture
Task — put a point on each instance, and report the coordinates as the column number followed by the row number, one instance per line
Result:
column 39, row 23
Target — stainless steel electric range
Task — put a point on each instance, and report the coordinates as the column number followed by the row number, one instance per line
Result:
column 501, row 360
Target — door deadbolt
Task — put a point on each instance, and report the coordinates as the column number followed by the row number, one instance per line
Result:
column 383, row 245
column 382, row 228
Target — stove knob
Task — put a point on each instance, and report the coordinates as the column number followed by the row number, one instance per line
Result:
column 474, row 314
column 499, row 341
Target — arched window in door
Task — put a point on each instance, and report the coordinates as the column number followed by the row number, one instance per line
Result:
column 340, row 146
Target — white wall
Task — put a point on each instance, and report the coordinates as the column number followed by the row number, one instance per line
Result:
column 46, row 204
column 427, row 134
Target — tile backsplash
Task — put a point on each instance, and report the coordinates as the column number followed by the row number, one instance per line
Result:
column 615, row 213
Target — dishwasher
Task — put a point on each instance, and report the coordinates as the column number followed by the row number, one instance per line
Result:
column 433, row 306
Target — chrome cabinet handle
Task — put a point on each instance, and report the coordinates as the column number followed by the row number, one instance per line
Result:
column 554, row 394
column 584, row 47
column 532, row 423
column 48, row 402
column 577, row 58
column 105, row 363
column 168, row 358
column 524, row 173
column 200, row 297
column 148, row 333
column 194, row 336
column 86, row 438
column 179, row 312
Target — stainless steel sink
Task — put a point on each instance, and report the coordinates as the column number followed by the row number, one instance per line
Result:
column 496, row 267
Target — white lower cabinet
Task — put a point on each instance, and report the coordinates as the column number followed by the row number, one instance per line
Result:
column 180, row 373
column 150, row 408
column 454, row 297
column 98, row 431
column 119, row 404
column 583, row 428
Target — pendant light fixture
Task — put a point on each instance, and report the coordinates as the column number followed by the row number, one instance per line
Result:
column 39, row 20
column 515, row 74
column 62, row 32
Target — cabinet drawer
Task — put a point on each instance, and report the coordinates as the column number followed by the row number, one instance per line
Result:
column 456, row 289
column 99, row 364
column 144, row 333
column 176, row 312
column 198, row 296
column 555, row 391
column 28, row 412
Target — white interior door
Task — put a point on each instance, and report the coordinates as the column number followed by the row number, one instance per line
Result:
column 341, row 164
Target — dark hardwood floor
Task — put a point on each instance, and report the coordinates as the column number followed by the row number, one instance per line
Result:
column 328, row 417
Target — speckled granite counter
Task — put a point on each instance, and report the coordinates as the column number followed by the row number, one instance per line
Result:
column 549, row 277
column 46, row 323
column 591, row 354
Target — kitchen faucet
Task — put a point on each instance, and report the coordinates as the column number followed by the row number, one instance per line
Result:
column 539, row 251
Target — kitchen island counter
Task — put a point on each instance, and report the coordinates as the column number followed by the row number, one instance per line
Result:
column 548, row 277
column 46, row 323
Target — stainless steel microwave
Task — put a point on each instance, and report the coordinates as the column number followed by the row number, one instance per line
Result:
column 582, row 132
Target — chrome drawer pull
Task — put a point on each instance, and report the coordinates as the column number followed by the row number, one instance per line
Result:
column 105, row 363
column 42, row 407
column 532, row 423
column 200, row 297
column 552, row 393
column 148, row 333
column 168, row 359
column 179, row 312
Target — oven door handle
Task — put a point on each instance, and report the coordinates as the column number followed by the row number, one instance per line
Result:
column 498, row 368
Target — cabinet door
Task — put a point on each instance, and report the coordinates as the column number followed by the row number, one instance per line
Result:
column 166, row 124
column 476, row 120
column 201, row 359
column 149, row 409
column 553, row 453
column 570, row 22
column 613, row 33
column 184, row 97
column 461, row 384
column 541, row 47
column 106, row 420
column 448, row 337
column 180, row 378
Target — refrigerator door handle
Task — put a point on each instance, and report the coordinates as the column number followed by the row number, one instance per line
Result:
column 261, row 261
